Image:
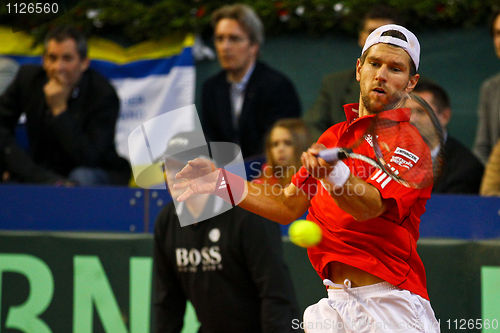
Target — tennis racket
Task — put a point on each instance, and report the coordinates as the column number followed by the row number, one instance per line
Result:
column 410, row 154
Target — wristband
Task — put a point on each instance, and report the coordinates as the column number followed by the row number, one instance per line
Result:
column 339, row 175
column 230, row 187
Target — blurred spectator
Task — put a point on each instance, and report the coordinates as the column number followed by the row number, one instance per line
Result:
column 461, row 171
column 340, row 88
column 490, row 185
column 230, row 266
column 71, row 113
column 8, row 69
column 488, row 127
column 241, row 102
column 284, row 145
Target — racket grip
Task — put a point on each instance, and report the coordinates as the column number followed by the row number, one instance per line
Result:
column 330, row 155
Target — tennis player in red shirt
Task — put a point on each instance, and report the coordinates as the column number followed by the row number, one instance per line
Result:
column 367, row 258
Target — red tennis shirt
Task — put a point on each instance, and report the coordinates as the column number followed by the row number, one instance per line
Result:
column 386, row 245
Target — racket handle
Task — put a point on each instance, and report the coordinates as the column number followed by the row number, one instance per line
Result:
column 330, row 155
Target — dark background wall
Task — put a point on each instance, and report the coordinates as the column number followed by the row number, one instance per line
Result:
column 458, row 59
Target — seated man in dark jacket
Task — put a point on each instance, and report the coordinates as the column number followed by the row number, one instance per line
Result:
column 461, row 171
column 71, row 113
column 243, row 101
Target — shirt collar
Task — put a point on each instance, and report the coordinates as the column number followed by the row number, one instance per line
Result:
column 400, row 114
column 215, row 202
column 240, row 86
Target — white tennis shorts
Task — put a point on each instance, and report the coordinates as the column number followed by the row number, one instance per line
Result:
column 381, row 307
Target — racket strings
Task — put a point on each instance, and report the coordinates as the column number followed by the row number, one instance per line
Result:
column 360, row 167
column 424, row 118
column 409, row 152
column 402, row 152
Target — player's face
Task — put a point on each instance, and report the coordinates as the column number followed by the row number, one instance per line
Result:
column 496, row 35
column 369, row 26
column 384, row 77
column 282, row 150
column 234, row 49
column 61, row 60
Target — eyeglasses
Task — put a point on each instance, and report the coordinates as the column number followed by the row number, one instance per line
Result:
column 232, row 39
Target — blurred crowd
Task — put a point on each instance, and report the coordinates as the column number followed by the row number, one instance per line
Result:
column 70, row 134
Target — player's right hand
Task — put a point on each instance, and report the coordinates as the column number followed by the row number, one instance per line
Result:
column 315, row 165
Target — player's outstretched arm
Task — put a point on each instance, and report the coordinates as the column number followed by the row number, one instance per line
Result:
column 352, row 194
column 201, row 176
column 263, row 201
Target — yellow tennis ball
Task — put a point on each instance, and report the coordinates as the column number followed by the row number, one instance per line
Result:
column 304, row 233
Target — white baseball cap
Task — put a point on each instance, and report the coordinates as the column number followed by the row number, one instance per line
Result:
column 411, row 45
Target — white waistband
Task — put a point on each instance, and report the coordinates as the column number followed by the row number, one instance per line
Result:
column 363, row 292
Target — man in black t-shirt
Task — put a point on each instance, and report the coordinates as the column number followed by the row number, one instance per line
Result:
column 230, row 266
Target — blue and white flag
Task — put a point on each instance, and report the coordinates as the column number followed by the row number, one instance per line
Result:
column 150, row 78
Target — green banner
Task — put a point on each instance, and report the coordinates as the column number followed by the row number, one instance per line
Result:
column 490, row 282
column 100, row 282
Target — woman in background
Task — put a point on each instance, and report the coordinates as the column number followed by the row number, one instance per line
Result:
column 284, row 144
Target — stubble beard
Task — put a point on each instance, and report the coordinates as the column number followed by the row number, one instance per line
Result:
column 396, row 101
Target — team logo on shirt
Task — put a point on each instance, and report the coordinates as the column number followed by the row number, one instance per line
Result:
column 369, row 139
column 206, row 259
column 214, row 235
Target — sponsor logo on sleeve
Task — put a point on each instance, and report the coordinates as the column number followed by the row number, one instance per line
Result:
column 409, row 155
column 401, row 162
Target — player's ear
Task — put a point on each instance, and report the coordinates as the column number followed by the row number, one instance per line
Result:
column 412, row 83
column 358, row 69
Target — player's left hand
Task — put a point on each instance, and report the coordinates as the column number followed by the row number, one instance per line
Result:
column 199, row 176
